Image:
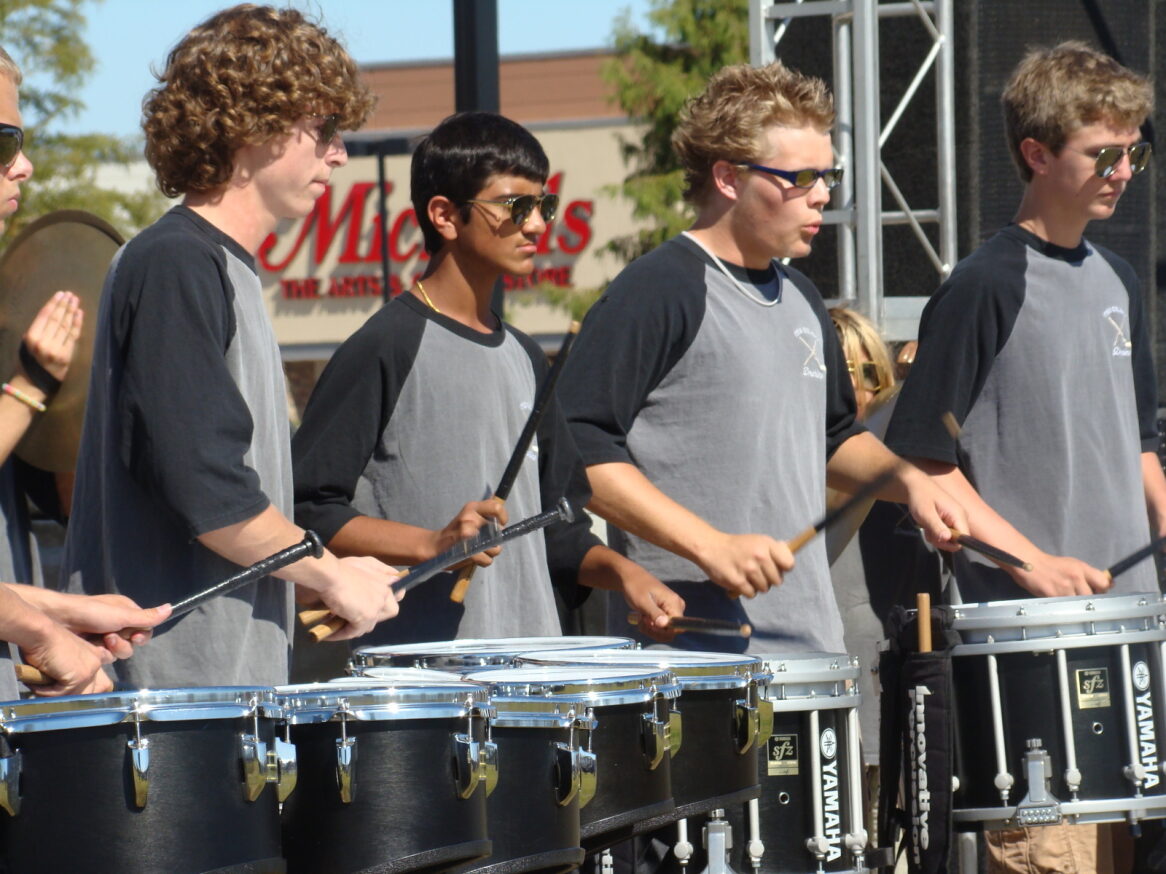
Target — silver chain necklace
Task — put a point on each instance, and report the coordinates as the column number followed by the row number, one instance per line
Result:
column 733, row 279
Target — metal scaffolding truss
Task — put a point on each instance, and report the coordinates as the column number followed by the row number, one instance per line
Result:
column 859, row 138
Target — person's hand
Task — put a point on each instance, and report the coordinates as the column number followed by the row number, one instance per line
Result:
column 109, row 616
column 933, row 509
column 746, row 564
column 52, row 337
column 359, row 592
column 1054, row 575
column 654, row 601
column 74, row 663
column 467, row 523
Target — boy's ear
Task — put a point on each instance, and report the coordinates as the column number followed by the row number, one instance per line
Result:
column 725, row 177
column 1035, row 154
column 445, row 216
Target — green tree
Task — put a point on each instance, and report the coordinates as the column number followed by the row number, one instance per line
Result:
column 44, row 38
column 653, row 76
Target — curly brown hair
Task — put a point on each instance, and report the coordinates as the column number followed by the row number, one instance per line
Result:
column 727, row 120
column 243, row 77
column 1053, row 92
column 9, row 68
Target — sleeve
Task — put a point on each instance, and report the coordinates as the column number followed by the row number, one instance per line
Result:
column 562, row 474
column 348, row 411
column 1145, row 380
column 841, row 408
column 631, row 338
column 963, row 328
column 184, row 427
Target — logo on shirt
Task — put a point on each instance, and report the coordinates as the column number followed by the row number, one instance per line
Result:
column 1120, row 326
column 812, row 365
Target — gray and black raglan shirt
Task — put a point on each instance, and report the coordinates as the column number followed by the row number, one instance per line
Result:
column 730, row 398
column 1042, row 355
column 417, row 414
column 185, row 432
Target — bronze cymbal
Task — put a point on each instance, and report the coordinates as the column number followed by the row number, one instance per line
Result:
column 66, row 250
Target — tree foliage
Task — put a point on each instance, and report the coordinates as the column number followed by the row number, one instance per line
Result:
column 653, row 77
column 44, row 38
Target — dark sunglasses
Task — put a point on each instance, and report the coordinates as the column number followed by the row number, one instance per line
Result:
column 1107, row 158
column 329, row 124
column 523, row 205
column 11, row 144
column 802, row 178
column 866, row 375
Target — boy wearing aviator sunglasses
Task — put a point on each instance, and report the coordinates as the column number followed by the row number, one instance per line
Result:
column 421, row 409
column 185, row 464
column 1038, row 345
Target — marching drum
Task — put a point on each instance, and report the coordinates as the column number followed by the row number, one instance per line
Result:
column 1058, row 708
column 393, row 774
column 724, row 719
column 470, row 653
column 155, row 780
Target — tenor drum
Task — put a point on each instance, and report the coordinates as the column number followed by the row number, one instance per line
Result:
column 464, row 655
column 155, row 780
column 724, row 719
column 1058, row 707
column 393, row 774
column 631, row 709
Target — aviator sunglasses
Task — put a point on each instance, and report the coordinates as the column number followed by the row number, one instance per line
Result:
column 329, row 124
column 802, row 178
column 523, row 205
column 867, row 375
column 1107, row 158
column 11, row 144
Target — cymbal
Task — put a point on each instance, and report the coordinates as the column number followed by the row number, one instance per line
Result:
column 66, row 250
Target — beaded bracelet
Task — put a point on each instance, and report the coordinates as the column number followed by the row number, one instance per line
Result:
column 13, row 392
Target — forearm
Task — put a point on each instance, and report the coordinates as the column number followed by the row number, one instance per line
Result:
column 392, row 542
column 1154, row 482
column 20, row 622
column 864, row 458
column 16, row 416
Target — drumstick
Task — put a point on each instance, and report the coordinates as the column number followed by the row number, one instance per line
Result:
column 1123, row 565
column 720, row 627
column 458, row 595
column 310, row 545
column 456, row 554
column 923, row 619
column 864, row 494
column 992, row 552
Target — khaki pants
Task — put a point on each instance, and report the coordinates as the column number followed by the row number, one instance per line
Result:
column 1087, row 848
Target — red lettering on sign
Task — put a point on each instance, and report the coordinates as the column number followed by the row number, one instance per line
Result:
column 577, row 218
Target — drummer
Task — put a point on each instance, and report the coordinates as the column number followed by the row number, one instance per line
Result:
column 184, row 471
column 422, row 407
column 45, row 626
column 708, row 393
column 1039, row 346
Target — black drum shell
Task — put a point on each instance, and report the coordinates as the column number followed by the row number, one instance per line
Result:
column 1031, row 708
column 530, row 831
column 630, row 798
column 78, row 811
column 709, row 771
column 405, row 815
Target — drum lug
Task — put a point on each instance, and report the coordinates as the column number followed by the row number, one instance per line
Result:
column 254, row 761
column 140, row 765
column 566, row 773
column 346, row 768
column 475, row 762
column 654, row 736
column 747, row 721
column 489, row 766
column 10, row 766
column 282, row 769
column 675, row 731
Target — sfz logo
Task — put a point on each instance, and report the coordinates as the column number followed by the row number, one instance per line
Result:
column 812, row 364
column 783, row 755
column 828, row 745
column 1092, row 688
column 1119, row 323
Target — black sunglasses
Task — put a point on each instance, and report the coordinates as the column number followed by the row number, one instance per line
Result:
column 329, row 124
column 11, row 144
column 802, row 178
column 523, row 205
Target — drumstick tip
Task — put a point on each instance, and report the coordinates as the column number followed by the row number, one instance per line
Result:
column 746, row 630
column 952, row 426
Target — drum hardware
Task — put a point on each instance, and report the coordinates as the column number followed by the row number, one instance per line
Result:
column 717, row 837
column 754, row 719
column 1039, row 806
column 656, row 735
column 140, row 761
column 755, row 848
column 518, row 455
column 576, row 769
column 346, row 757
column 10, row 767
column 1072, row 772
column 476, row 762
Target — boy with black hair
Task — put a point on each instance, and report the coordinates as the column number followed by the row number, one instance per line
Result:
column 423, row 405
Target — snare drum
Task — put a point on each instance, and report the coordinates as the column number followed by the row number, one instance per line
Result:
column 630, row 740
column 470, row 653
column 1058, row 705
column 155, row 780
column 393, row 774
column 724, row 720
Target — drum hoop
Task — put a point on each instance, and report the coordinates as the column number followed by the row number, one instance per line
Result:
column 1037, row 645
column 490, row 649
column 694, row 670
column 580, row 689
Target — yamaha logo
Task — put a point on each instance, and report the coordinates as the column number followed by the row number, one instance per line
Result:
column 829, row 744
column 1141, row 676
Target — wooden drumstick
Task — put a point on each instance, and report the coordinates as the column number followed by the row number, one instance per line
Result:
column 31, row 676
column 458, row 593
column 724, row 627
column 923, row 618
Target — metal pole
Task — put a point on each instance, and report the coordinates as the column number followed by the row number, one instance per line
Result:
column 867, row 178
column 475, row 55
column 844, row 145
column 383, row 212
column 945, row 135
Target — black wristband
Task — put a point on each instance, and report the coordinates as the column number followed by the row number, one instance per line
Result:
column 36, row 374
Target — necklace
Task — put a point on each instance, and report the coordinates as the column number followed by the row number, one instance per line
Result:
column 733, row 279
column 425, row 294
